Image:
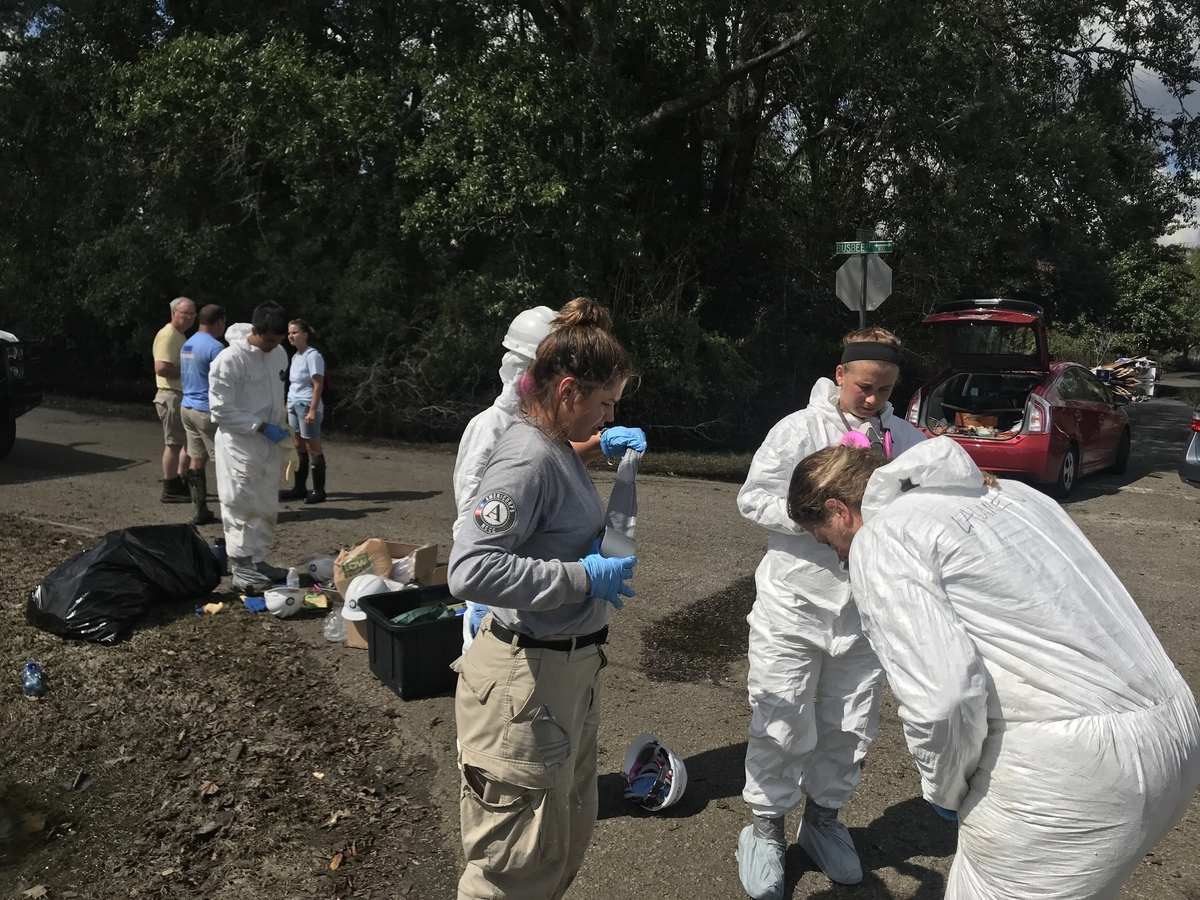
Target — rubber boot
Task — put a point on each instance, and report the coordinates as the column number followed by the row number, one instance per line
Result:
column 828, row 843
column 317, row 494
column 297, row 491
column 175, row 491
column 198, row 485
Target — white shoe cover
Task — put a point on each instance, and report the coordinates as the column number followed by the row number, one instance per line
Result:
column 760, row 865
column 828, row 843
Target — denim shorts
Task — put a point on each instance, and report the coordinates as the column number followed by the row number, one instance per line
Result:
column 297, row 410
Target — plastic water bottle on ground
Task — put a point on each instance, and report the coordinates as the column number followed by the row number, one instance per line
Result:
column 218, row 549
column 293, row 578
column 33, row 680
column 335, row 627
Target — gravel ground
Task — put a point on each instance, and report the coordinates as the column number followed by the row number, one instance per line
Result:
column 236, row 755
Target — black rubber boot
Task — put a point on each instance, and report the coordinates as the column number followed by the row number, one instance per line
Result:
column 317, row 494
column 297, row 491
column 175, row 491
column 197, row 480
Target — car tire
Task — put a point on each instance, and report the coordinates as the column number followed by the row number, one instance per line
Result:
column 1121, row 461
column 8, row 437
column 1068, row 473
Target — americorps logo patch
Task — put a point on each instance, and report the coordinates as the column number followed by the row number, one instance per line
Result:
column 496, row 513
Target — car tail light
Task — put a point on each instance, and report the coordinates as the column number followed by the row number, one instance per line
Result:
column 1196, row 420
column 914, row 410
column 1039, row 416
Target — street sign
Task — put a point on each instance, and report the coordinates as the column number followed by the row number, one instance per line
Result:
column 864, row 247
column 850, row 283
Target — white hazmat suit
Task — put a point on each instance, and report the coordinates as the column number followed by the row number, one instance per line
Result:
column 1034, row 695
column 805, row 639
column 246, row 388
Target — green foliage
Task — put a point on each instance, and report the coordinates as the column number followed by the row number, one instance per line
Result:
column 408, row 176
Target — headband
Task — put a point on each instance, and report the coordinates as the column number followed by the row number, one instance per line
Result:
column 868, row 350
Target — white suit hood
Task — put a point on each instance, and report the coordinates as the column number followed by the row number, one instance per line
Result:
column 239, row 334
column 939, row 464
column 512, row 367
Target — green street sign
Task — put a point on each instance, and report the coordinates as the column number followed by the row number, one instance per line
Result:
column 864, row 247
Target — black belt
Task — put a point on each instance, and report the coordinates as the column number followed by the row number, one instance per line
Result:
column 532, row 643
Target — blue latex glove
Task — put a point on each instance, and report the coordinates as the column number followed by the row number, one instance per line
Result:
column 275, row 433
column 608, row 577
column 255, row 604
column 615, row 441
column 948, row 814
column 478, row 611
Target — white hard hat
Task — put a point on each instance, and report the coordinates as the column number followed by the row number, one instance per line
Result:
column 320, row 569
column 528, row 329
column 655, row 773
column 362, row 586
column 284, row 601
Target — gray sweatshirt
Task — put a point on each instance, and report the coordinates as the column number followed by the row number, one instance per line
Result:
column 536, row 514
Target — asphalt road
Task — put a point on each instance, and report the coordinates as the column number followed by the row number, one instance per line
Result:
column 678, row 651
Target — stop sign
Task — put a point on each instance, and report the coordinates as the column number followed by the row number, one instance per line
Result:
column 850, row 281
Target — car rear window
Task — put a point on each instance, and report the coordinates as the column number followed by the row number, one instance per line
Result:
column 983, row 339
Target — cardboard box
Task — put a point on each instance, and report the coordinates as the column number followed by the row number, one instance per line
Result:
column 356, row 634
column 376, row 555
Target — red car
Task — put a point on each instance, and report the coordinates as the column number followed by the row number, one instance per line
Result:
column 1010, row 408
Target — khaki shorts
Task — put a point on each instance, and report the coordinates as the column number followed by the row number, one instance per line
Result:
column 168, row 404
column 200, row 430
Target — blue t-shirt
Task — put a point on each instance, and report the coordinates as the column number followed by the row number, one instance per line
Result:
column 304, row 366
column 194, row 359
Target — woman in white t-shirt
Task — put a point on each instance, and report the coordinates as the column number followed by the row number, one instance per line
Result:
column 306, row 384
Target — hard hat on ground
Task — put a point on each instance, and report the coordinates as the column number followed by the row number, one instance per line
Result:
column 362, row 586
column 655, row 773
column 528, row 329
column 284, row 601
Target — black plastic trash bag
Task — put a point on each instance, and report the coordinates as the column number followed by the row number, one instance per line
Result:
column 100, row 594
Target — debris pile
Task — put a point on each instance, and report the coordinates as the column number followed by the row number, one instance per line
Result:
column 1131, row 379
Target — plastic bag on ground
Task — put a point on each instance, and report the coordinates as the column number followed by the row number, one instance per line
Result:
column 101, row 593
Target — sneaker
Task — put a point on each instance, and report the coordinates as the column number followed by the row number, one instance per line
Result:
column 828, row 843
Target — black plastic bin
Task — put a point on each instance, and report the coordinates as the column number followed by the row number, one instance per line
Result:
column 413, row 660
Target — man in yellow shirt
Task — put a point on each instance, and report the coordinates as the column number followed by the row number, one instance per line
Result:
column 167, row 344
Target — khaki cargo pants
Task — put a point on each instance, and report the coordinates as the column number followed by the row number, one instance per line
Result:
column 528, row 722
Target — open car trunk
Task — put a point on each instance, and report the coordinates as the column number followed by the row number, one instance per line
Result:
column 979, row 404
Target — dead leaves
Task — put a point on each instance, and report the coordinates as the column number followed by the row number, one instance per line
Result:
column 208, row 788
column 334, row 817
column 342, row 855
column 34, row 893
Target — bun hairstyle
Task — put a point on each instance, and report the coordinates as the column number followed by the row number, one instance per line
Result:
column 582, row 311
column 308, row 330
column 579, row 346
column 872, row 343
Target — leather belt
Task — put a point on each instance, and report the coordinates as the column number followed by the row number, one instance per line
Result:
column 532, row 643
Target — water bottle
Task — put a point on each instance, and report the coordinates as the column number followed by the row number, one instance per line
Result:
column 33, row 681
column 293, row 578
column 218, row 550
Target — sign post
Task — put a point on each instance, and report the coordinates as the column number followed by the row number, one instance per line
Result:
column 864, row 285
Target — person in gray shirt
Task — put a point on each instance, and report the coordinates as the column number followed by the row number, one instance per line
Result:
column 528, row 701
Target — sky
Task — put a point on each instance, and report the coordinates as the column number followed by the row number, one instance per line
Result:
column 1154, row 94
